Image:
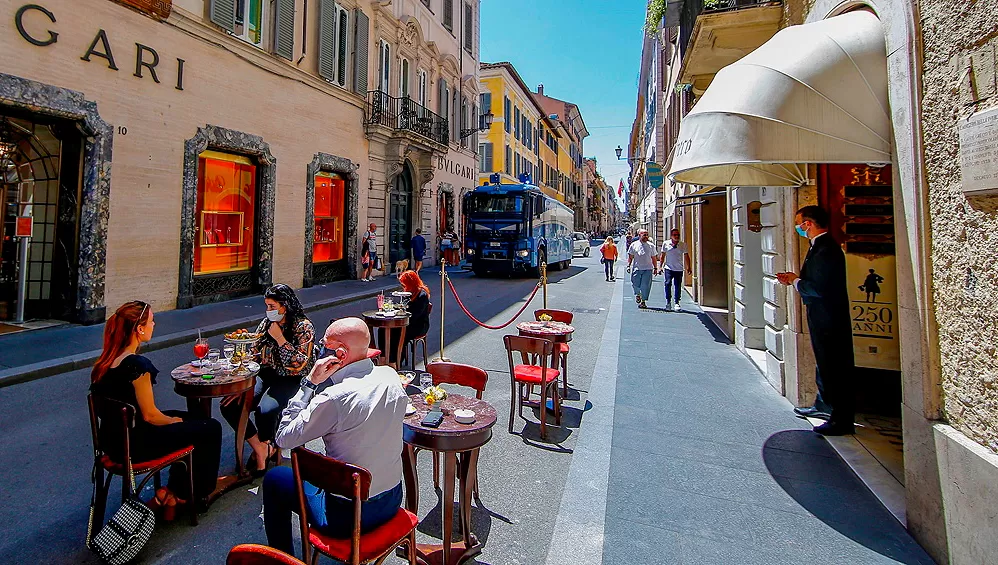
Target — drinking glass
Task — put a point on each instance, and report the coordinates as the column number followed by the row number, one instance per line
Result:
column 227, row 350
column 200, row 349
column 425, row 381
column 213, row 358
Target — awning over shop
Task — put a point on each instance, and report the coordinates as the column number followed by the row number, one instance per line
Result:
column 814, row 93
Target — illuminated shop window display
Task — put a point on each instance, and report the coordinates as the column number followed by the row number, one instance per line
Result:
column 330, row 197
column 225, row 213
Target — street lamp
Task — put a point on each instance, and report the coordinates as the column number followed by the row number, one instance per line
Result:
column 484, row 125
column 620, row 150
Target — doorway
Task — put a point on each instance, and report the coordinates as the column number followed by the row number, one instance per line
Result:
column 40, row 178
column 400, row 217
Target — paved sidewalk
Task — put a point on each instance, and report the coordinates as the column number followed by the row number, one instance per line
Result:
column 707, row 463
column 39, row 353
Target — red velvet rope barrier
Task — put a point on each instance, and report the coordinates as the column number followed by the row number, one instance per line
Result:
column 486, row 326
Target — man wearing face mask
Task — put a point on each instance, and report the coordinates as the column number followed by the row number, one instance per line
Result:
column 822, row 288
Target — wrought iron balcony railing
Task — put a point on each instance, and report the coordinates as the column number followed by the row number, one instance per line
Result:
column 407, row 115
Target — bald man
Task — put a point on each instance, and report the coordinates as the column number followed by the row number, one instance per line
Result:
column 357, row 409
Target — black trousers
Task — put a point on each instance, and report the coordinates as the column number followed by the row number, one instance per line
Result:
column 833, row 373
column 270, row 398
column 151, row 442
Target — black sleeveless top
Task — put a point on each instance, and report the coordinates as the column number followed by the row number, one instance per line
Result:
column 117, row 385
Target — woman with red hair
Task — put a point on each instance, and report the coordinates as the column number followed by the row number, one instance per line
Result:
column 123, row 375
column 419, row 306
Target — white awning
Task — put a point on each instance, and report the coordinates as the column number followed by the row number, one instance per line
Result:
column 814, row 93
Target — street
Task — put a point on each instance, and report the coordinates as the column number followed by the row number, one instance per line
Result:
column 675, row 451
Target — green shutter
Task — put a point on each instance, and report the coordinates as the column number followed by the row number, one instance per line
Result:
column 469, row 27
column 284, row 26
column 449, row 14
column 360, row 50
column 223, row 13
column 327, row 39
column 341, row 56
column 488, row 159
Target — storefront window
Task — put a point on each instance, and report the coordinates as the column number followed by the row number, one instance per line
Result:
column 225, row 213
column 330, row 196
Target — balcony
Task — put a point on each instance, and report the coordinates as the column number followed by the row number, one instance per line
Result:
column 407, row 116
column 716, row 33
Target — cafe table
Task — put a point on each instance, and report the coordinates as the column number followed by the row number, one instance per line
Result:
column 384, row 330
column 199, row 391
column 557, row 332
column 459, row 444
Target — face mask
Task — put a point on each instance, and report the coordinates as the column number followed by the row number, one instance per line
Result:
column 801, row 232
column 274, row 316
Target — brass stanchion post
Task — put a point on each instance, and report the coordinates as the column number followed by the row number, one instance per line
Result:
column 544, row 283
column 443, row 303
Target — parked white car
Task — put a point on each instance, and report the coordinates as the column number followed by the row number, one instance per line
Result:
column 580, row 244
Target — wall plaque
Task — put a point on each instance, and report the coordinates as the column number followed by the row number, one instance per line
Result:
column 979, row 152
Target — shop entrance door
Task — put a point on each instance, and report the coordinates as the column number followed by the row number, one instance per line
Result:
column 40, row 177
column 400, row 218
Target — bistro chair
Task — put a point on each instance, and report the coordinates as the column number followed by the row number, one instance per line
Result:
column 533, row 370
column 421, row 340
column 107, row 414
column 560, row 349
column 255, row 554
column 445, row 372
column 353, row 483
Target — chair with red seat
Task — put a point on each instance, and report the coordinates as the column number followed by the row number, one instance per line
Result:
column 560, row 349
column 105, row 414
column 255, row 554
column 353, row 483
column 445, row 372
column 528, row 374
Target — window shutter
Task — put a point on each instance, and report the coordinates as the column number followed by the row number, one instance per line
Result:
column 488, row 158
column 449, row 14
column 284, row 26
column 469, row 27
column 223, row 13
column 327, row 40
column 442, row 98
column 341, row 54
column 360, row 56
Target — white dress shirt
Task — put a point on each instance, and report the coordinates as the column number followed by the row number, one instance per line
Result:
column 358, row 415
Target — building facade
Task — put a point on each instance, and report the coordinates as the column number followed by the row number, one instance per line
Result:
column 141, row 152
column 567, row 119
column 911, row 203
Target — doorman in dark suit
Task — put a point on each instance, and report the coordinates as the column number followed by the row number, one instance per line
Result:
column 822, row 288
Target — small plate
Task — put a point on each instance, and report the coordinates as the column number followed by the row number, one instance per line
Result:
column 251, row 366
column 410, row 409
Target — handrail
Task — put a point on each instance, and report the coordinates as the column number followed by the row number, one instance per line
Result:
column 407, row 115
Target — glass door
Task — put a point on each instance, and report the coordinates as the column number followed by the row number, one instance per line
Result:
column 400, row 214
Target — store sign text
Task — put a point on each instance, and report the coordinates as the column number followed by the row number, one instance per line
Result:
column 147, row 60
column 454, row 168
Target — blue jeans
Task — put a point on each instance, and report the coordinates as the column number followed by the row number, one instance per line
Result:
column 673, row 281
column 329, row 514
column 641, row 282
column 608, row 267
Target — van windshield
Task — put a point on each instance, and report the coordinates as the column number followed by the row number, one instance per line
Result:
column 496, row 204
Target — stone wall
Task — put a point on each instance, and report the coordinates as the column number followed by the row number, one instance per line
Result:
column 960, row 43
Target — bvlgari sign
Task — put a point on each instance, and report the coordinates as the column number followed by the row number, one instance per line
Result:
column 979, row 152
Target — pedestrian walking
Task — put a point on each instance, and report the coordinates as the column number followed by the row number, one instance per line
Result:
column 822, row 288
column 369, row 252
column 609, row 252
column 675, row 261
column 448, row 245
column 641, row 254
column 418, row 245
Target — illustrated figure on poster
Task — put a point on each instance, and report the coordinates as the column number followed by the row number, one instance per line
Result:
column 871, row 286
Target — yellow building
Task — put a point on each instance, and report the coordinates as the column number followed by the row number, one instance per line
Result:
column 567, row 121
column 522, row 138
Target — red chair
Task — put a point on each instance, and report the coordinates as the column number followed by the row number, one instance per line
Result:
column 254, row 554
column 445, row 372
column 560, row 349
column 373, row 354
column 527, row 375
column 353, row 483
column 107, row 414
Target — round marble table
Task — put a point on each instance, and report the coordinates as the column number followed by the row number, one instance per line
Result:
column 459, row 445
column 384, row 332
column 556, row 332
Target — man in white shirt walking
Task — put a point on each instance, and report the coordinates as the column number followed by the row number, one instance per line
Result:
column 675, row 261
column 357, row 409
column 641, row 254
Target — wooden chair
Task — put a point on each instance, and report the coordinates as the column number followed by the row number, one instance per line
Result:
column 528, row 374
column 560, row 349
column 255, row 554
column 445, row 372
column 353, row 483
column 108, row 414
column 421, row 340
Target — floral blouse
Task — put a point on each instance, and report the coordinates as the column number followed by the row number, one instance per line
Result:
column 293, row 358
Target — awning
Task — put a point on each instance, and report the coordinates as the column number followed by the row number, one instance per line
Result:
column 814, row 93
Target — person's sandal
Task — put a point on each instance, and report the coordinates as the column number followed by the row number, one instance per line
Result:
column 273, row 455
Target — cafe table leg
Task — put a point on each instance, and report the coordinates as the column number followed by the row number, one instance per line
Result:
column 200, row 407
column 469, row 461
column 447, row 506
column 410, row 478
column 247, row 403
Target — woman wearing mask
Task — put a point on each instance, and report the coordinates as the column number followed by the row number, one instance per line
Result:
column 609, row 251
column 285, row 353
column 122, row 374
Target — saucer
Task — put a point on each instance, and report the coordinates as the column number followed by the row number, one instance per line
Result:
column 410, row 409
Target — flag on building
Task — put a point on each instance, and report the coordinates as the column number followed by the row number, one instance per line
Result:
column 620, row 189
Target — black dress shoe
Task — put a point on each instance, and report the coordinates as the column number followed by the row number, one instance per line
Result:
column 811, row 412
column 835, row 429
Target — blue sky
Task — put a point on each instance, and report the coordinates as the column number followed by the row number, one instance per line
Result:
column 584, row 51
